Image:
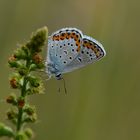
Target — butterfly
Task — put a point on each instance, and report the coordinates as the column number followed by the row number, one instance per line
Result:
column 69, row 49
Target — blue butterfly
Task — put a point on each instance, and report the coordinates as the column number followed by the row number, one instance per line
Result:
column 69, row 49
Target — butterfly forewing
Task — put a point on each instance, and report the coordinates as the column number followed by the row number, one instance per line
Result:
column 64, row 45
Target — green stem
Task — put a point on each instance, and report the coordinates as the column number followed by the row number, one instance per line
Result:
column 20, row 110
column 23, row 95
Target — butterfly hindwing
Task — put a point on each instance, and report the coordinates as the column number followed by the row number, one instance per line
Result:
column 91, row 51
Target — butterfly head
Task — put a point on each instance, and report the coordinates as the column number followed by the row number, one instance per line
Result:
column 58, row 76
column 53, row 71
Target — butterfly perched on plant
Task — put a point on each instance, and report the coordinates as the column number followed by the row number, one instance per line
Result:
column 69, row 49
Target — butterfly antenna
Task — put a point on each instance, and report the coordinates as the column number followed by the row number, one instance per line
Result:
column 59, row 89
column 64, row 85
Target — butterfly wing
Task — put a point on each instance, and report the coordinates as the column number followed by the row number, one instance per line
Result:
column 91, row 51
column 63, row 47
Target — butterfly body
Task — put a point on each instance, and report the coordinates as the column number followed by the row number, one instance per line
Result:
column 69, row 49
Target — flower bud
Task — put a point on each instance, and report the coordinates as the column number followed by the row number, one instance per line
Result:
column 28, row 132
column 38, row 39
column 11, row 114
column 11, row 99
column 14, row 83
column 31, row 119
column 21, row 136
column 29, row 110
column 37, row 58
column 21, row 102
column 20, row 54
column 12, row 58
column 34, row 81
column 13, row 61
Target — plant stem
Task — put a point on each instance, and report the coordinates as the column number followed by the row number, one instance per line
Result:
column 20, row 112
column 23, row 95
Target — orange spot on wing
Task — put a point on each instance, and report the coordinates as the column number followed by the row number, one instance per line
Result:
column 76, row 37
column 62, row 36
column 56, row 37
column 71, row 35
column 93, row 48
column 98, row 54
column 87, row 45
column 68, row 36
column 96, row 51
column 78, row 49
column 78, row 46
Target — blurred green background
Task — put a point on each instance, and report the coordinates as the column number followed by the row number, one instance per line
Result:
column 103, row 100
